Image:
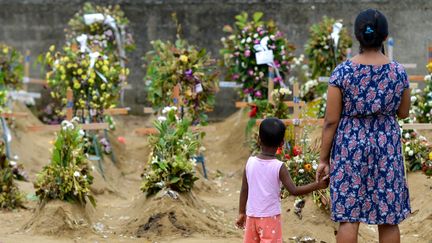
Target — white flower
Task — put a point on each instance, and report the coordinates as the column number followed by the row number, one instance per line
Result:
column 67, row 125
column 223, row 39
column 249, row 40
column 315, row 166
column 85, row 176
column 413, row 98
column 255, row 35
column 77, row 174
column 81, row 132
column 428, row 78
column 411, row 153
column 75, row 119
column 301, row 171
column 243, row 41
column 326, row 47
column 12, row 163
column 193, row 161
column 162, row 118
column 407, row 149
column 407, row 135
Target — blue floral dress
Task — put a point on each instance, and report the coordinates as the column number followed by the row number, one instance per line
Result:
column 367, row 177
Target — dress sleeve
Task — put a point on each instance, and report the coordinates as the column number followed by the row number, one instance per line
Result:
column 405, row 79
column 336, row 77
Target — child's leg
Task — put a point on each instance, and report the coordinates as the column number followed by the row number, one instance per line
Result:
column 270, row 229
column 250, row 231
column 389, row 233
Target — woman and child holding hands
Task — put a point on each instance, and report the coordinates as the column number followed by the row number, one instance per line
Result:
column 361, row 152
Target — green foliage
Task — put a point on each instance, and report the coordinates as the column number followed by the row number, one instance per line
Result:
column 261, row 109
column 11, row 71
column 172, row 160
column 10, row 196
column 421, row 100
column 320, row 49
column 239, row 54
column 416, row 150
column 68, row 176
column 169, row 64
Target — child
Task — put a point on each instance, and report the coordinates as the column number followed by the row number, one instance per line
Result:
column 260, row 208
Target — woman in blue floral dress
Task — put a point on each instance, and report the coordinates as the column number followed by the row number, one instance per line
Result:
column 362, row 137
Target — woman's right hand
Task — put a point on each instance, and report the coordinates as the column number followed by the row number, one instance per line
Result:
column 322, row 170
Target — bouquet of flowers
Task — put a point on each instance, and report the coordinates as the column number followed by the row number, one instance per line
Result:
column 416, row 150
column 94, row 78
column 261, row 109
column 302, row 162
column 239, row 53
column 172, row 161
column 105, row 27
column 68, row 176
column 321, row 50
column 324, row 54
column 179, row 63
column 421, row 100
column 11, row 71
column 10, row 196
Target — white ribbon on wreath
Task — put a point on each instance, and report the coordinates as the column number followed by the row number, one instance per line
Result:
column 265, row 56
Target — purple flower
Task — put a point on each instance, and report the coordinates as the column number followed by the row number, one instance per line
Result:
column 277, row 80
column 235, row 76
column 278, row 34
column 256, row 42
column 259, row 29
column 250, row 72
column 258, row 94
column 247, row 53
column 188, row 72
column 276, row 62
column 272, row 47
column 261, row 33
column 246, row 91
column 236, row 53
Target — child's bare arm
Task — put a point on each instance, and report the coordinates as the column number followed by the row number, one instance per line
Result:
column 299, row 190
column 243, row 200
column 243, row 194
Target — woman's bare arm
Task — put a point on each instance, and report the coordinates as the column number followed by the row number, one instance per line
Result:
column 403, row 110
column 331, row 122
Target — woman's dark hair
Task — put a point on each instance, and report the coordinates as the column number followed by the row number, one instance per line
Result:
column 271, row 132
column 371, row 29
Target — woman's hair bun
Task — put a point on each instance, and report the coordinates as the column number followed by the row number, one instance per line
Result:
column 371, row 29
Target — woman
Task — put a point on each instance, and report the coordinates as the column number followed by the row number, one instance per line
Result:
column 361, row 134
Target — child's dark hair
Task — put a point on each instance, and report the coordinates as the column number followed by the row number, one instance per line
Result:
column 371, row 29
column 272, row 132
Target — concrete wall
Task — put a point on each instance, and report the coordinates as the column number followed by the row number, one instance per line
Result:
column 36, row 24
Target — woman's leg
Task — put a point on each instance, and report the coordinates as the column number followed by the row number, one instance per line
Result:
column 347, row 233
column 389, row 233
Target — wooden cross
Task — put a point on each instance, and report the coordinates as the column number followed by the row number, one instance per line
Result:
column 69, row 116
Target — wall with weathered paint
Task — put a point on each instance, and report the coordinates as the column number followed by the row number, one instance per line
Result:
column 36, row 24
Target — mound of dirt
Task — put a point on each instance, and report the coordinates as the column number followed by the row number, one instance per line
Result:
column 60, row 218
column 178, row 216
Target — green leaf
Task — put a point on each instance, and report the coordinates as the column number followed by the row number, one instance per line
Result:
column 257, row 16
column 174, row 180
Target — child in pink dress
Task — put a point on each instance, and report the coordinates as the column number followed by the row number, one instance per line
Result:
column 260, row 207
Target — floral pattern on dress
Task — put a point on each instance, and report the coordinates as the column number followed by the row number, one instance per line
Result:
column 367, row 177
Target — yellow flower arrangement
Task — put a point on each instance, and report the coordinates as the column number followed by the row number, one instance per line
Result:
column 95, row 82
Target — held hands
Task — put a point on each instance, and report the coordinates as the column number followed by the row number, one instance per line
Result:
column 322, row 175
column 241, row 221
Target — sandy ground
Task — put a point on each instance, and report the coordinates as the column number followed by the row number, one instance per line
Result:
column 206, row 215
